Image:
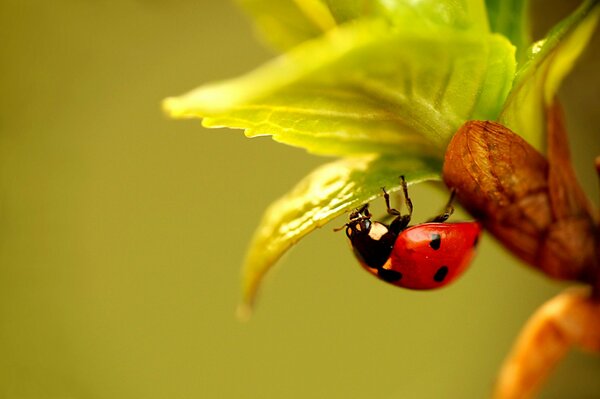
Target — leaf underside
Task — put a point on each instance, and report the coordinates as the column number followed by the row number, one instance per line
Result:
column 327, row 192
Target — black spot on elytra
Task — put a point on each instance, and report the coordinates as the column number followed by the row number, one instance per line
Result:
column 436, row 241
column 476, row 241
column 389, row 275
column 441, row 274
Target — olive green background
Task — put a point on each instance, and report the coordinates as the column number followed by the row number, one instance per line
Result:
column 122, row 232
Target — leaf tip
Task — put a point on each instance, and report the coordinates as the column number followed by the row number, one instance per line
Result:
column 200, row 102
column 244, row 312
column 174, row 107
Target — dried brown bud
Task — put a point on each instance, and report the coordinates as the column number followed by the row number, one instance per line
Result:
column 534, row 207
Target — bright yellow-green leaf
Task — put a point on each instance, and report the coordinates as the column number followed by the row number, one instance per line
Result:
column 329, row 121
column 457, row 14
column 326, row 193
column 363, row 88
column 287, row 23
column 511, row 18
column 550, row 60
column 348, row 10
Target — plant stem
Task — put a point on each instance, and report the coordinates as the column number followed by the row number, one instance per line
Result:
column 571, row 319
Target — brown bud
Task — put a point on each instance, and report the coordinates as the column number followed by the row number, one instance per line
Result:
column 534, row 207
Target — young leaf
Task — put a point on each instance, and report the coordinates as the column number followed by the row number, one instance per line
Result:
column 538, row 79
column 511, row 19
column 286, row 23
column 457, row 14
column 348, row 10
column 327, row 120
column 364, row 87
column 326, row 193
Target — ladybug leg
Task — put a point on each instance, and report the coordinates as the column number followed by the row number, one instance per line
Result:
column 401, row 221
column 362, row 212
column 448, row 211
column 390, row 210
column 407, row 199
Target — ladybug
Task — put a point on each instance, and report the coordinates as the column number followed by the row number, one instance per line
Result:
column 421, row 257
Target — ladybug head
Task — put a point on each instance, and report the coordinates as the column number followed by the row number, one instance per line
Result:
column 359, row 224
column 372, row 241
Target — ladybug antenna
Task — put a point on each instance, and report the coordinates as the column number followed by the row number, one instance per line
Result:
column 340, row 228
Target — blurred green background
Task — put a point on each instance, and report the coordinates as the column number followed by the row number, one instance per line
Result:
column 122, row 232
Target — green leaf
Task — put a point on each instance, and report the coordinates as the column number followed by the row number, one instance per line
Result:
column 363, row 88
column 538, row 80
column 511, row 19
column 457, row 14
column 326, row 193
column 287, row 23
column 348, row 10
column 327, row 120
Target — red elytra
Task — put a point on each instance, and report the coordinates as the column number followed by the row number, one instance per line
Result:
column 430, row 255
column 421, row 257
